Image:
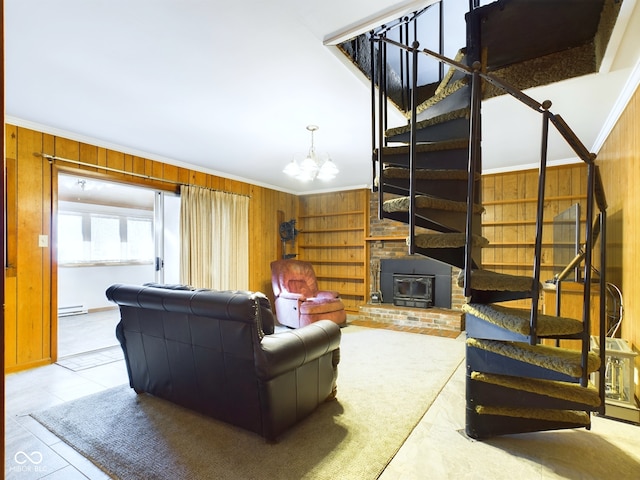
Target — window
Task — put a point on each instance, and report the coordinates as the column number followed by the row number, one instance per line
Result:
column 70, row 242
column 139, row 239
column 85, row 238
column 105, row 239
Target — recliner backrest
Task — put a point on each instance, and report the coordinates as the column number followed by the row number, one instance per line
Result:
column 295, row 276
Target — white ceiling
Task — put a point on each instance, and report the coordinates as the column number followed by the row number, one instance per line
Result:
column 97, row 194
column 229, row 87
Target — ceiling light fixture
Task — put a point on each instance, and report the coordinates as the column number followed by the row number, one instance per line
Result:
column 312, row 166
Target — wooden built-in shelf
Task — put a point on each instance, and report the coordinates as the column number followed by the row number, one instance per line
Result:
column 336, row 262
column 333, row 214
column 335, row 245
column 506, row 223
column 338, row 277
column 510, row 201
column 518, row 265
column 333, row 226
column 518, row 244
column 329, row 230
column 351, row 293
column 394, row 238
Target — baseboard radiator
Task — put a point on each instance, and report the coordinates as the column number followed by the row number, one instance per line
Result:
column 72, row 310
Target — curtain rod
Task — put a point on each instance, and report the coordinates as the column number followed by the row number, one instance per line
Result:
column 51, row 159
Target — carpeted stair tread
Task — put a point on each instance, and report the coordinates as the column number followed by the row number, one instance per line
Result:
column 517, row 320
column 401, row 204
column 447, row 240
column 450, row 72
column 558, row 359
column 564, row 416
column 455, row 144
column 572, row 392
column 426, row 174
column 437, row 120
column 493, row 281
column 441, row 94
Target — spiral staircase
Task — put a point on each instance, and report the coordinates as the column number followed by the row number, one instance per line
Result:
column 427, row 174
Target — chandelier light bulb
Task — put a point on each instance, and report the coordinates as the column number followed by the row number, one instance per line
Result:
column 328, row 170
column 292, row 169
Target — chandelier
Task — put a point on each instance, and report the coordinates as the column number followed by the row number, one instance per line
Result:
column 312, row 166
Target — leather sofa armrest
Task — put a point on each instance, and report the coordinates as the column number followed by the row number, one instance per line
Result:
column 285, row 351
column 266, row 315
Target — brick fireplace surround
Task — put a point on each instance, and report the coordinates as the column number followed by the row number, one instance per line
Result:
column 387, row 240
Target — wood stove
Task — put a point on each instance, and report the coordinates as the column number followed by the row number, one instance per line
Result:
column 441, row 294
column 413, row 290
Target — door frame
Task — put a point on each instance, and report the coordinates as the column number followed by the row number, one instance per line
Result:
column 81, row 172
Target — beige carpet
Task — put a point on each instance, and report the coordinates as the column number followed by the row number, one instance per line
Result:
column 387, row 380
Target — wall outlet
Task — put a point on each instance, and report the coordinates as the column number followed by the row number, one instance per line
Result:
column 43, row 241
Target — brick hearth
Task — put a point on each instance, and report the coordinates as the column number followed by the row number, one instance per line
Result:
column 387, row 240
column 434, row 319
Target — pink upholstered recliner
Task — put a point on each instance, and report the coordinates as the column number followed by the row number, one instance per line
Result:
column 298, row 301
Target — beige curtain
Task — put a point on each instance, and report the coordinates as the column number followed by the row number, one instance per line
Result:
column 214, row 239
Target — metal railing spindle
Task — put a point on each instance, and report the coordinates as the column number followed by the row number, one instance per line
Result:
column 412, row 149
column 537, row 256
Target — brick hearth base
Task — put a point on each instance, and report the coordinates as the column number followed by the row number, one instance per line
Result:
column 446, row 322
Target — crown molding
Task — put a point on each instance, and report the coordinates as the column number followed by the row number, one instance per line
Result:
column 58, row 132
column 375, row 20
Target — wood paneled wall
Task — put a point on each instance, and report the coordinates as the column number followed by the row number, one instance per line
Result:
column 509, row 220
column 509, row 199
column 31, row 270
column 619, row 161
column 333, row 227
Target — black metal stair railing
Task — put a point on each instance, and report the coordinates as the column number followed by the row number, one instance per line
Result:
column 407, row 28
column 477, row 76
column 407, row 33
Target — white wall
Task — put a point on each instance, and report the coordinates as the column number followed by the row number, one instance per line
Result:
column 86, row 285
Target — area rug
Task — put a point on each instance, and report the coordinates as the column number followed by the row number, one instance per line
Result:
column 387, row 380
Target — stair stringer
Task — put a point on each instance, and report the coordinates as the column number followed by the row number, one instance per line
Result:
column 483, row 426
column 480, row 360
column 484, row 393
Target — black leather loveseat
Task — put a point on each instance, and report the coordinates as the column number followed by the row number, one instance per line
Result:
column 214, row 352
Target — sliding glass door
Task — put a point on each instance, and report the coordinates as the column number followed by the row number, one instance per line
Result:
column 167, row 237
column 108, row 232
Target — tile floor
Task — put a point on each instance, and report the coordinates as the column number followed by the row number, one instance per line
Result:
column 83, row 333
column 436, row 449
column 41, row 388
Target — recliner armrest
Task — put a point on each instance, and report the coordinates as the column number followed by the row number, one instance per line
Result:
column 292, row 296
column 285, row 351
column 327, row 294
